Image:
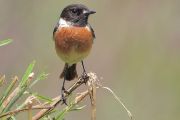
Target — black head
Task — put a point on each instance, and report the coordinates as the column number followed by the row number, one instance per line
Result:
column 76, row 14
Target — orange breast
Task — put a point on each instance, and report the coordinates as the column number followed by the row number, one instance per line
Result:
column 73, row 43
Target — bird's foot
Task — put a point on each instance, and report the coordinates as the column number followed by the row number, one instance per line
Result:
column 85, row 77
column 63, row 92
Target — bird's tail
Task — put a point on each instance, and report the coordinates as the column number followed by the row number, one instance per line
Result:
column 69, row 72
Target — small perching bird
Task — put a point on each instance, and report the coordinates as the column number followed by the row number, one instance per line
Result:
column 73, row 38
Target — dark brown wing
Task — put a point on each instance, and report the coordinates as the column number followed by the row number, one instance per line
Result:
column 93, row 33
column 55, row 29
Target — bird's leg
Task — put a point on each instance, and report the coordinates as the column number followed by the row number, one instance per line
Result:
column 63, row 90
column 84, row 75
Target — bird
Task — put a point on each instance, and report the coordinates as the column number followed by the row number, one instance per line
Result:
column 73, row 37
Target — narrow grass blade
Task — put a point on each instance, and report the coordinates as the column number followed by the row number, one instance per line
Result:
column 5, row 42
column 22, row 87
column 67, row 109
column 61, row 115
column 78, row 108
column 8, row 90
column 26, row 74
column 44, row 98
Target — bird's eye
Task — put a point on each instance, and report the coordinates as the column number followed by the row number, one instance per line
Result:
column 76, row 11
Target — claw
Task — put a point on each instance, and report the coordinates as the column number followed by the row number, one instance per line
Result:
column 85, row 77
column 63, row 97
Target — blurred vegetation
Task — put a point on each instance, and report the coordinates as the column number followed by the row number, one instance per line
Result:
column 10, row 108
column 10, row 105
column 5, row 42
column 12, row 94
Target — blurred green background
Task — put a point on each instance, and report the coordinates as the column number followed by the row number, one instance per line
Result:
column 137, row 52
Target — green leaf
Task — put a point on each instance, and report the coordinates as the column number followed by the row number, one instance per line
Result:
column 5, row 42
column 78, row 108
column 61, row 115
column 44, row 98
column 51, row 113
column 26, row 74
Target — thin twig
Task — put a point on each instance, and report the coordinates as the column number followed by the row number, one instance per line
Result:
column 77, row 100
column 58, row 100
column 22, row 110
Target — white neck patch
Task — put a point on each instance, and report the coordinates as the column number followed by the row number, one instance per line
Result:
column 64, row 23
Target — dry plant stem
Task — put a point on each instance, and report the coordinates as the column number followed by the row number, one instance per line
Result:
column 23, row 107
column 118, row 99
column 73, row 104
column 16, row 91
column 92, row 83
column 58, row 100
column 30, row 111
column 43, row 112
column 6, row 102
column 81, row 97
column 22, row 110
column 93, row 102
column 9, row 98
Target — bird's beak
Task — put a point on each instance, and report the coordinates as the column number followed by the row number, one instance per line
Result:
column 91, row 12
